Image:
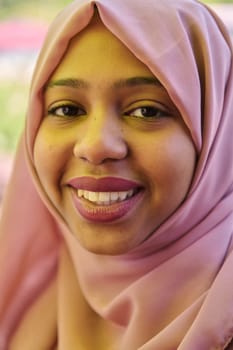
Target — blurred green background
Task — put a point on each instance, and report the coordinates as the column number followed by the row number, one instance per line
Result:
column 15, row 84
column 16, row 63
column 41, row 9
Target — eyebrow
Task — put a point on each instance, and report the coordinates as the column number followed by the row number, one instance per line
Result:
column 119, row 84
column 136, row 81
column 70, row 82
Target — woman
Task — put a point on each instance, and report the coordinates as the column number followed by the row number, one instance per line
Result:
column 116, row 229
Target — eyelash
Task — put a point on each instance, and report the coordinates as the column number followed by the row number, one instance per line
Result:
column 151, row 111
column 73, row 111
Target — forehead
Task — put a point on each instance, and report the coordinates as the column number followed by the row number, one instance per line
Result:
column 96, row 49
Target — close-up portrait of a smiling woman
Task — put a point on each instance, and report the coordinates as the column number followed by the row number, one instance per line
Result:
column 117, row 222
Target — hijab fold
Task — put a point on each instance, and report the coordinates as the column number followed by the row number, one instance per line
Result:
column 174, row 291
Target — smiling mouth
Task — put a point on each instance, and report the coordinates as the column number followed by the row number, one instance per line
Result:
column 106, row 198
column 105, row 207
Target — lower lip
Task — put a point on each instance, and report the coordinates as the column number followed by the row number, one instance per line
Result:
column 105, row 213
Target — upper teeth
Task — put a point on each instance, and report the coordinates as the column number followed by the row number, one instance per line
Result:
column 105, row 198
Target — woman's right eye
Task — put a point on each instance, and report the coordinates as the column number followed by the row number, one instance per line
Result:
column 66, row 110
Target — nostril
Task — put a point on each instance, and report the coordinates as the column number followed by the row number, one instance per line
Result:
column 97, row 149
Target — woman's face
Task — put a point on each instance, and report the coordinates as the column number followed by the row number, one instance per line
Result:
column 112, row 151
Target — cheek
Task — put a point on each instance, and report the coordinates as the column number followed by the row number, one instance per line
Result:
column 49, row 161
column 178, row 161
column 169, row 162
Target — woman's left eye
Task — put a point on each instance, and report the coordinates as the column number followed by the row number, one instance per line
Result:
column 147, row 112
column 66, row 110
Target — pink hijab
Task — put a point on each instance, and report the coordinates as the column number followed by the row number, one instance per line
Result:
column 174, row 291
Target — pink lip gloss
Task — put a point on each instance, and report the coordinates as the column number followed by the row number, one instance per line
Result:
column 102, row 212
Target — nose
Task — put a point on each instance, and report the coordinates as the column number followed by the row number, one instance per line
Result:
column 101, row 140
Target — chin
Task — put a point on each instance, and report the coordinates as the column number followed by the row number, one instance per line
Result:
column 106, row 246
